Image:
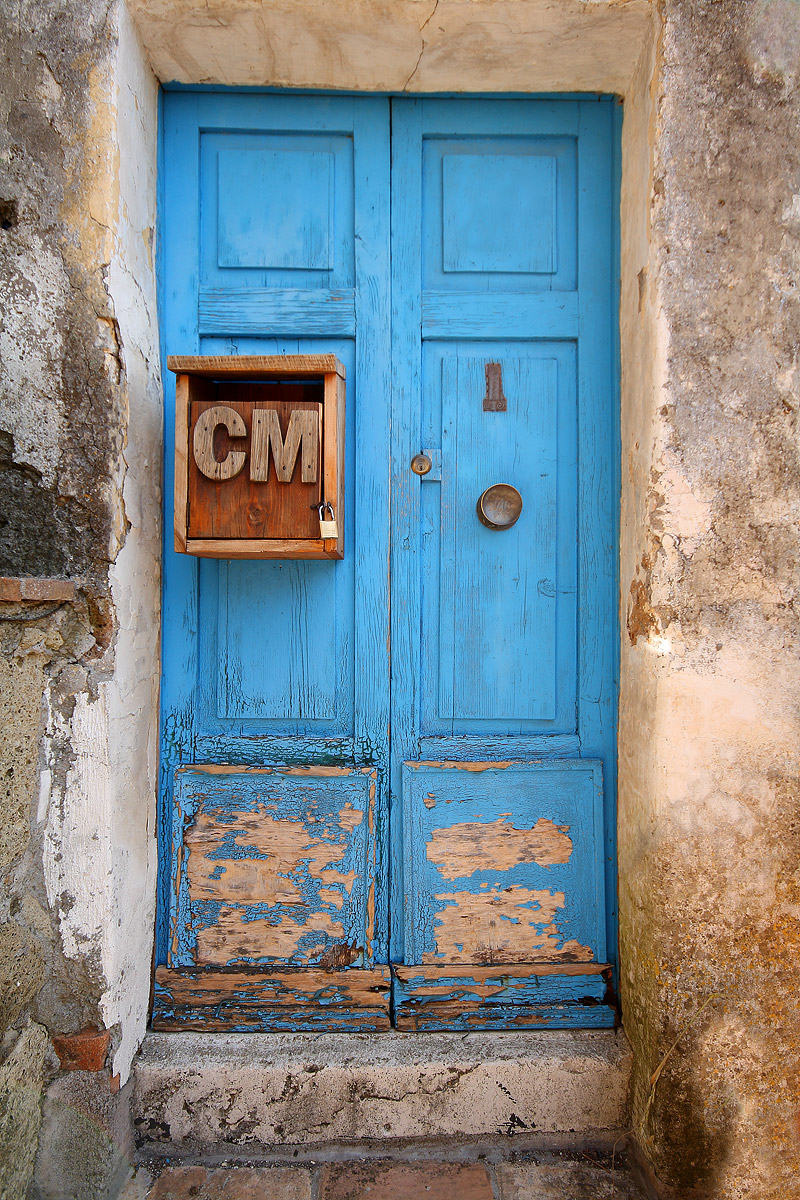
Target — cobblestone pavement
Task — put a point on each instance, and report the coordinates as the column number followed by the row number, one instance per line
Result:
column 539, row 1177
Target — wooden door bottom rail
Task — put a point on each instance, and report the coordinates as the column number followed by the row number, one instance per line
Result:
column 503, row 996
column 240, row 1000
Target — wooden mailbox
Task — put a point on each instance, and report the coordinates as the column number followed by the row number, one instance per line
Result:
column 259, row 449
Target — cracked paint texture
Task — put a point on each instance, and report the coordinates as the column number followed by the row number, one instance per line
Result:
column 273, row 867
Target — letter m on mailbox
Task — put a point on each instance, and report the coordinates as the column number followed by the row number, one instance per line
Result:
column 259, row 454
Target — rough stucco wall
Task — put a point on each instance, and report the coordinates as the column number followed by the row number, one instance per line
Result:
column 709, row 836
column 80, row 428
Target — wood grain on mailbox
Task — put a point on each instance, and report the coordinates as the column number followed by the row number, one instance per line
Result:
column 244, row 507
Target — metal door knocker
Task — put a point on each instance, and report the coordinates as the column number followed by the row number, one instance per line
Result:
column 499, row 507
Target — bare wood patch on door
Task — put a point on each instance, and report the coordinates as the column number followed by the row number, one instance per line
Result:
column 512, row 924
column 260, row 864
column 461, row 850
column 241, row 934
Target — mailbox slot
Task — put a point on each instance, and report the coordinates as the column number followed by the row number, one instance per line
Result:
column 259, row 446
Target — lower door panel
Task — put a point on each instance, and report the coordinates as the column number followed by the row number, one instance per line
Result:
column 531, row 994
column 272, row 920
column 504, row 896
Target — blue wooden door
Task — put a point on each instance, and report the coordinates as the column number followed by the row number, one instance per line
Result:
column 353, row 803
column 503, row 667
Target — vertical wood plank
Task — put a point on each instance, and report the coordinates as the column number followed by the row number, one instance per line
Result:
column 181, row 516
column 370, row 496
column 406, row 392
column 179, row 606
column 598, row 464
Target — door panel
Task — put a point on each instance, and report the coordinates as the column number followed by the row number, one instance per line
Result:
column 270, row 866
column 501, row 863
column 348, row 799
column 504, row 663
column 277, row 209
column 277, row 660
column 499, row 213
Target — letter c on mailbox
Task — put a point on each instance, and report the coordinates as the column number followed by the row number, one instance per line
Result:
column 203, row 442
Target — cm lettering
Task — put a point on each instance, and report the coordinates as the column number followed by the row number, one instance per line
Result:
column 302, row 438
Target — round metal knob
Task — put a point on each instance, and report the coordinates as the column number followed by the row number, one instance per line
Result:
column 421, row 464
column 499, row 506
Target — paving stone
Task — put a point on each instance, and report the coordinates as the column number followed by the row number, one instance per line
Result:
column 529, row 1181
column 383, row 1180
column 232, row 1183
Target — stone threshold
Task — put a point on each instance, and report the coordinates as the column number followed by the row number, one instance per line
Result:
column 247, row 1093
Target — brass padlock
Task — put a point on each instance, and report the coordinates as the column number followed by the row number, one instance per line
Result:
column 327, row 526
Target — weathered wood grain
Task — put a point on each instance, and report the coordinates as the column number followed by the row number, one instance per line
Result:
column 505, row 924
column 255, row 366
column 285, row 998
column 272, row 499
column 501, row 862
column 465, row 848
column 207, row 423
column 303, row 435
column 201, row 390
column 566, row 1014
column 474, row 997
column 311, row 547
column 260, row 312
column 273, row 865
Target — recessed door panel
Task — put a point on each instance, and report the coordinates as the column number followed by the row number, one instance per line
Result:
column 500, row 210
column 501, row 862
column 270, row 867
column 276, row 660
column 276, row 209
column 498, row 629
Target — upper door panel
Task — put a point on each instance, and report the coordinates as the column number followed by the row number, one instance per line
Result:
column 499, row 213
column 277, row 209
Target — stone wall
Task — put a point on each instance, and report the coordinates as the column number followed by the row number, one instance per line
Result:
column 79, row 412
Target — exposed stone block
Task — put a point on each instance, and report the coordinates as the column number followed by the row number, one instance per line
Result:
column 306, row 1089
column 20, row 1110
column 382, row 1181
column 242, row 1183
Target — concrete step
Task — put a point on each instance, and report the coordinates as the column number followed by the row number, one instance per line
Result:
column 202, row 1093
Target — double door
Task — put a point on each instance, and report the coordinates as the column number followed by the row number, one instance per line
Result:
column 387, row 781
